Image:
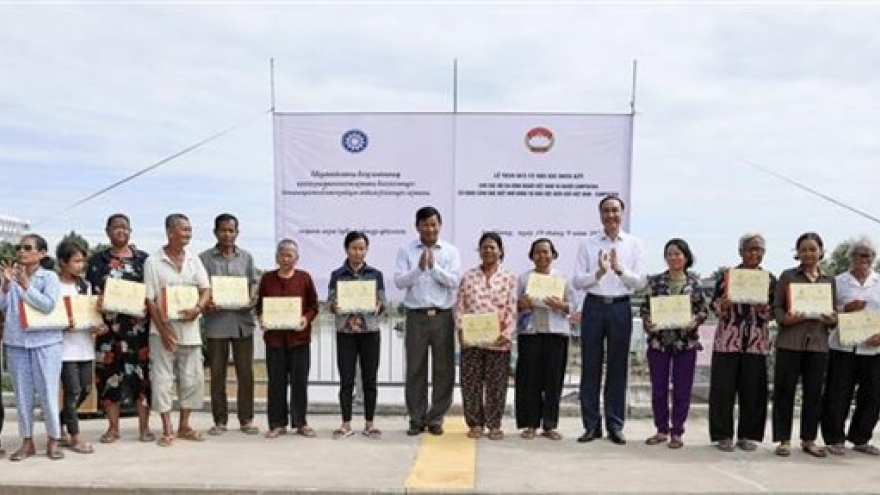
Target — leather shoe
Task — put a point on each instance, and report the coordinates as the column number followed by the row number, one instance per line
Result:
column 415, row 430
column 435, row 429
column 616, row 437
column 590, row 435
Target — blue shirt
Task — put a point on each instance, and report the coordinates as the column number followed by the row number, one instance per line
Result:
column 434, row 288
column 43, row 294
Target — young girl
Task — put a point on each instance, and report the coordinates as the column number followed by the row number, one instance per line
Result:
column 78, row 354
column 357, row 336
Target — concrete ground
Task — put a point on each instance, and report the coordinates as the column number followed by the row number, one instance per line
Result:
column 238, row 464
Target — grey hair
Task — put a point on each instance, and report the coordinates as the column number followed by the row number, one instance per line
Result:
column 752, row 236
column 863, row 243
column 173, row 219
column 285, row 243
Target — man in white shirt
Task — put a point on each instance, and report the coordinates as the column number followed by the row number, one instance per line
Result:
column 429, row 270
column 609, row 269
column 175, row 340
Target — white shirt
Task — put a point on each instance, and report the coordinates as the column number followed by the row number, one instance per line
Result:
column 629, row 257
column 159, row 272
column 434, row 288
column 78, row 344
column 542, row 319
column 849, row 289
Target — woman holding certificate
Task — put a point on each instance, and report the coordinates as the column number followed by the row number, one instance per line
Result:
column 287, row 303
column 854, row 357
column 674, row 310
column 34, row 353
column 485, row 314
column 542, row 343
column 804, row 309
column 357, row 298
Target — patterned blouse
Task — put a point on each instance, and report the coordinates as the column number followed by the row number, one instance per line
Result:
column 676, row 338
column 480, row 294
column 743, row 328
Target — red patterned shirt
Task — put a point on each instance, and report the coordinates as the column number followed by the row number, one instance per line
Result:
column 478, row 294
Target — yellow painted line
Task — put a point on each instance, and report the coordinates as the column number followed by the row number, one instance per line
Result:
column 446, row 462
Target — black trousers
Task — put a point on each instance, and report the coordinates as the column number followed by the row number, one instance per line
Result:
column 288, row 370
column 351, row 348
column 540, row 374
column 791, row 367
column 846, row 371
column 738, row 377
column 76, row 383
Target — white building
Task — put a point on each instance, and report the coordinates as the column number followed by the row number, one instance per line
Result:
column 11, row 229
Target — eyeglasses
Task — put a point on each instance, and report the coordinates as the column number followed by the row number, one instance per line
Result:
column 24, row 247
column 863, row 255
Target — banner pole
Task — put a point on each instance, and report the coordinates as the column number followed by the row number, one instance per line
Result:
column 272, row 83
column 632, row 101
column 455, row 85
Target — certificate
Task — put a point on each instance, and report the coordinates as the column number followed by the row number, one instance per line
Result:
column 32, row 318
column 542, row 286
column 178, row 298
column 748, row 286
column 671, row 311
column 480, row 329
column 356, row 296
column 282, row 313
column 124, row 296
column 855, row 328
column 83, row 312
column 810, row 300
column 230, row 292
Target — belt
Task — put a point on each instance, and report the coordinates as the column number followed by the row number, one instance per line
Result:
column 608, row 299
column 429, row 311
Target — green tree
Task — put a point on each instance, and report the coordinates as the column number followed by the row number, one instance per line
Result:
column 837, row 261
column 7, row 251
column 73, row 236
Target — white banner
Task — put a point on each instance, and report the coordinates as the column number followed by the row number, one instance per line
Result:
column 523, row 175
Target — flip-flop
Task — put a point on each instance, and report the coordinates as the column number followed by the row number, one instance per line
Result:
column 496, row 435
column 552, row 434
column 109, row 436
column 217, row 430
column 83, row 448
column 191, row 434
column 867, row 449
column 55, row 454
column 306, row 431
column 374, row 433
column 528, row 434
column 250, row 429
column 783, row 450
column 341, row 433
column 475, row 433
column 276, row 432
column 147, row 436
column 20, row 455
column 165, row 441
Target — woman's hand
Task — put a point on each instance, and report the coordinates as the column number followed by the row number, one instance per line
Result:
column 557, row 304
column 852, row 306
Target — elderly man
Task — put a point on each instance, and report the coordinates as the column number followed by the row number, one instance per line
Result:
column 175, row 341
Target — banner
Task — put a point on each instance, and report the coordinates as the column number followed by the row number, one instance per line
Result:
column 523, row 175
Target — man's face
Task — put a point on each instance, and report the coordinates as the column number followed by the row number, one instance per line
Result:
column 429, row 230
column 119, row 231
column 226, row 233
column 611, row 214
column 181, row 233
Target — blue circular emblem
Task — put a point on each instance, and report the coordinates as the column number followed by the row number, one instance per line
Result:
column 355, row 141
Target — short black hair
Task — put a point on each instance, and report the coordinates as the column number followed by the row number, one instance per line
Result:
column 809, row 236
column 40, row 243
column 612, row 197
column 225, row 217
column 684, row 248
column 172, row 220
column 116, row 216
column 494, row 237
column 427, row 212
column 66, row 249
column 353, row 236
column 539, row 241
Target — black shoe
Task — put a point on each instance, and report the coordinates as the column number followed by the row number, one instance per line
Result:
column 415, row 430
column 616, row 437
column 590, row 435
column 435, row 429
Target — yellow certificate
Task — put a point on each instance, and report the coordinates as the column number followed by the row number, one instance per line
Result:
column 857, row 327
column 282, row 313
column 542, row 286
column 124, row 296
column 33, row 319
column 810, row 300
column 178, row 298
column 480, row 329
column 671, row 311
column 356, row 296
column 230, row 292
column 83, row 312
column 748, row 286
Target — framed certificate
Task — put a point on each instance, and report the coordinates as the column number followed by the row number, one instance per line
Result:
column 282, row 313
column 230, row 292
column 811, row 300
column 177, row 298
column 33, row 319
column 855, row 328
column 671, row 311
column 541, row 286
column 748, row 286
column 356, row 296
column 124, row 296
column 83, row 312
column 480, row 329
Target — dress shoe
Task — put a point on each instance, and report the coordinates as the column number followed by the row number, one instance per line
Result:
column 590, row 435
column 616, row 437
column 435, row 429
column 414, row 430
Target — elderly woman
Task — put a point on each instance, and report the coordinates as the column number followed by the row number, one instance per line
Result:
column 672, row 352
column 122, row 359
column 488, row 288
column 801, row 351
column 34, row 354
column 850, row 365
column 739, row 358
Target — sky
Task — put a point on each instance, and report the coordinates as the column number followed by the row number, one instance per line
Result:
column 91, row 93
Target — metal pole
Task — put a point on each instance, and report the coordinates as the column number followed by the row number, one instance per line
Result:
column 455, row 85
column 272, row 83
column 632, row 101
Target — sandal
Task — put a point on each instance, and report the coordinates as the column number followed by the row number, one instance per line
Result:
column 813, row 449
column 249, row 429
column 725, row 445
column 747, row 445
column 2, row 452
column 496, row 434
column 21, row 454
column 83, row 448
column 64, row 441
column 836, row 449
column 867, row 448
column 783, row 450
column 190, row 434
column 374, row 433
column 147, row 436
column 676, row 442
column 528, row 433
column 109, row 436
column 306, row 431
column 656, row 438
column 276, row 432
column 341, row 433
column 217, row 430
column 165, row 440
column 475, row 432
column 55, row 453
column 552, row 434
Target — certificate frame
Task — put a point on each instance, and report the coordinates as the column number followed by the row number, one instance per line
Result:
column 543, row 286
column 178, row 298
column 857, row 327
column 281, row 313
column 82, row 312
column 811, row 299
column 230, row 292
column 356, row 296
column 673, row 311
column 124, row 296
column 32, row 318
column 747, row 286
column 480, row 329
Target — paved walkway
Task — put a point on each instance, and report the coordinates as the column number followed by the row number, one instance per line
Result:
column 240, row 464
